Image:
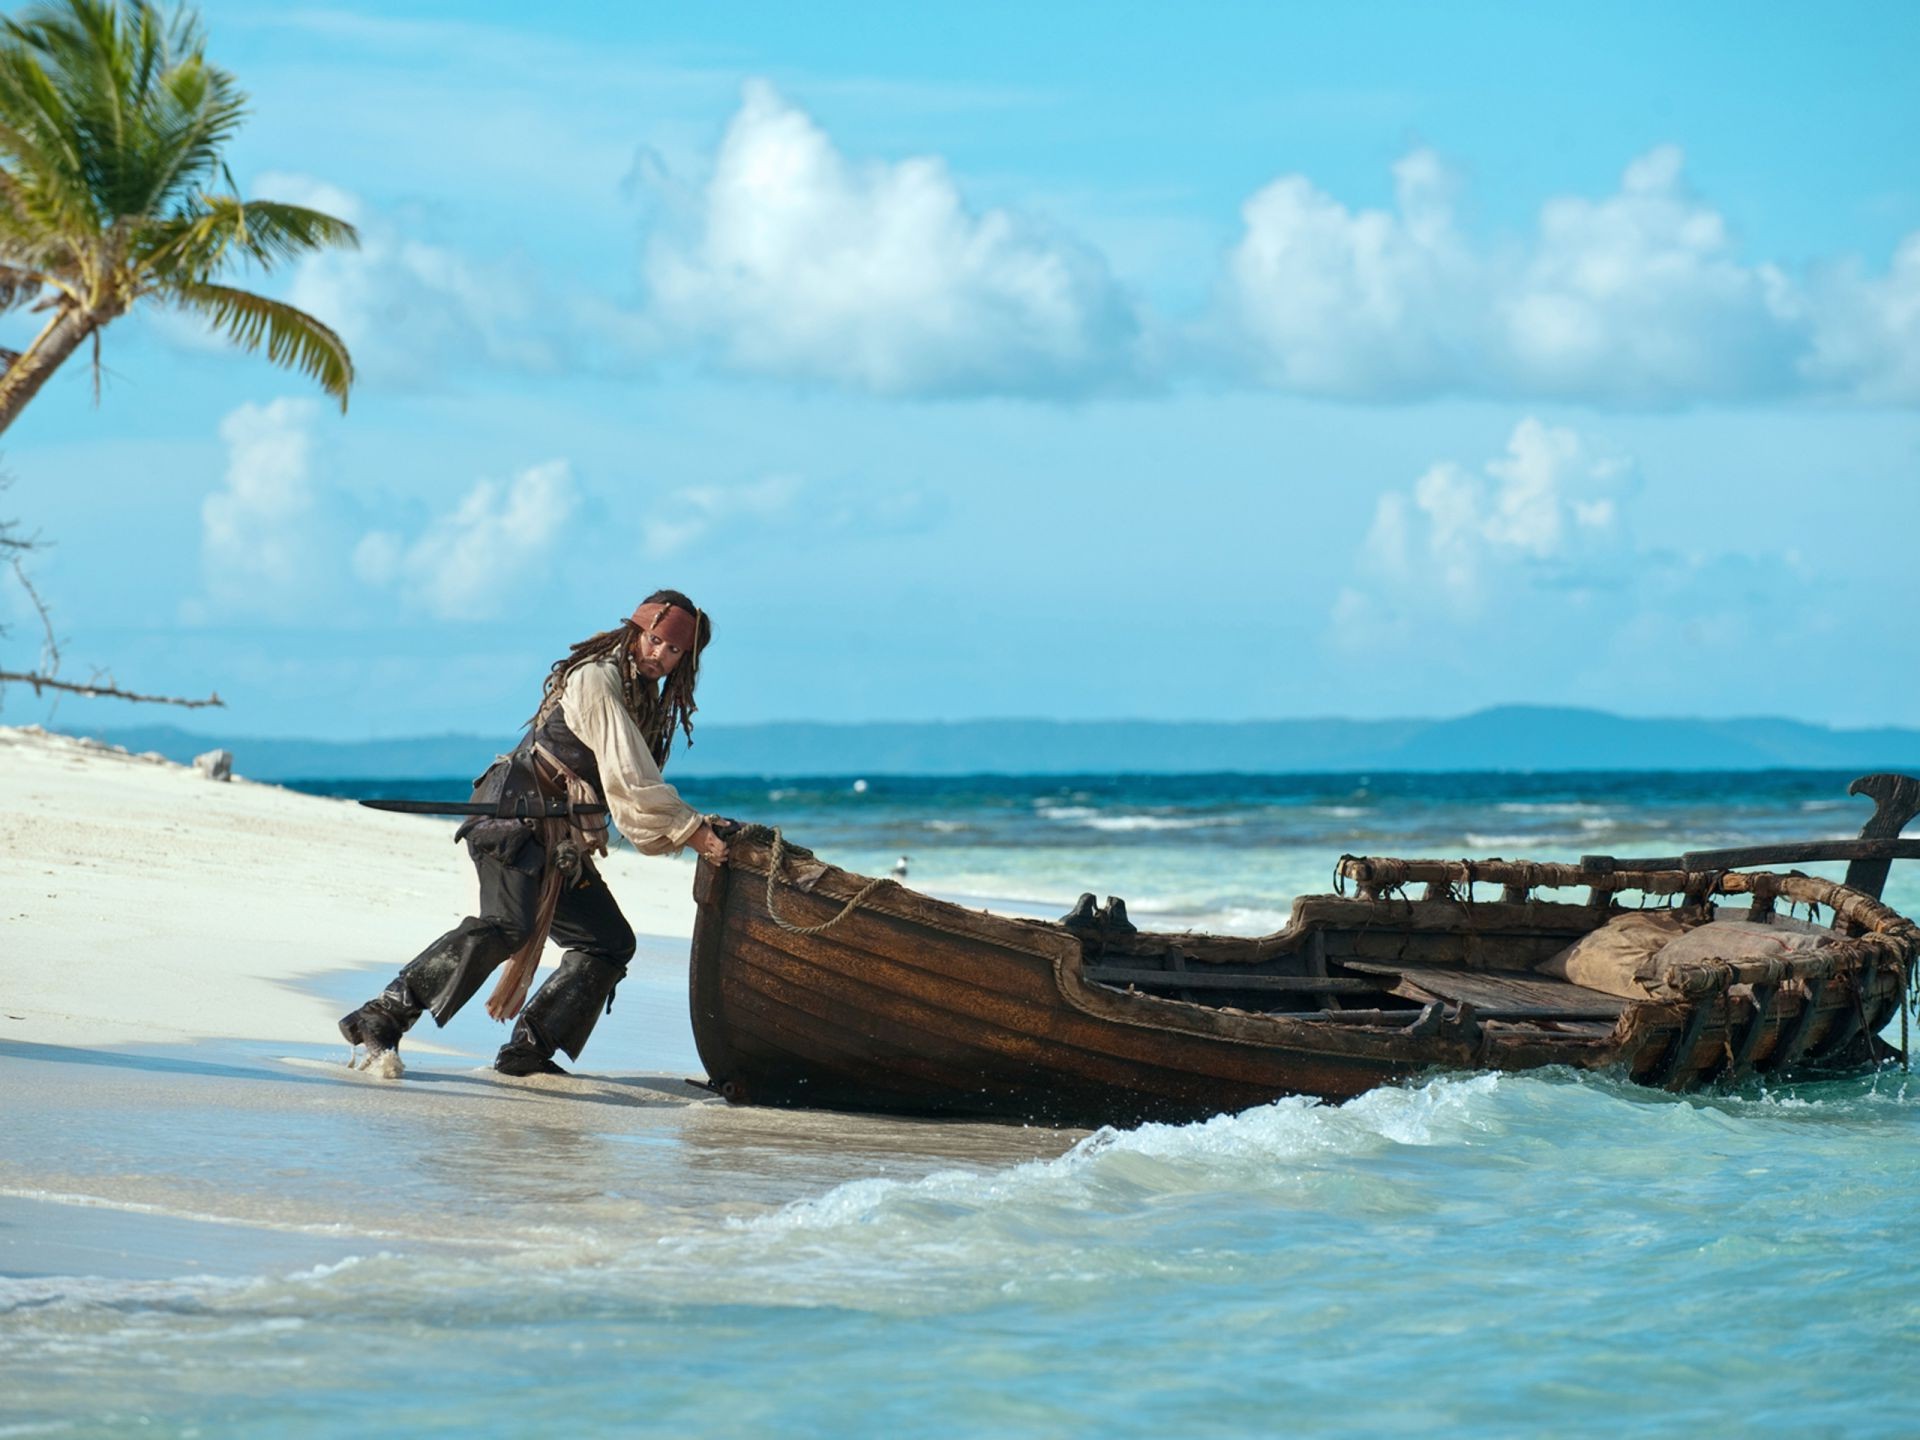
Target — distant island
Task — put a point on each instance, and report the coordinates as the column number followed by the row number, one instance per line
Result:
column 1505, row 738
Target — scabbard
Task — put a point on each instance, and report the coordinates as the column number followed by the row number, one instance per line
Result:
column 508, row 807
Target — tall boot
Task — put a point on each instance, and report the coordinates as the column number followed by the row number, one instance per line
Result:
column 381, row 1022
column 561, row 1015
column 441, row 977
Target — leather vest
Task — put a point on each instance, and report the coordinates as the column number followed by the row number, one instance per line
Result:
column 555, row 736
column 516, row 774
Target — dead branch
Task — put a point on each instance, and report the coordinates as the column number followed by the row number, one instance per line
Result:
column 50, row 647
column 108, row 691
column 46, row 677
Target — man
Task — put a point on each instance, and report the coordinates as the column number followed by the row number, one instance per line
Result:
column 603, row 729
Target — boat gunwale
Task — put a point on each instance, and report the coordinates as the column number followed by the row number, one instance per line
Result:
column 1640, row 1024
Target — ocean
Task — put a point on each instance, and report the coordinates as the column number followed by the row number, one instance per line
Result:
column 1542, row 1254
column 1229, row 852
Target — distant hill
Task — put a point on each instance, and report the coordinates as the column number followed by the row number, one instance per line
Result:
column 1509, row 737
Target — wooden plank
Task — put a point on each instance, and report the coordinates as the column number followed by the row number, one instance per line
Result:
column 1488, row 917
column 1750, row 1038
column 957, row 1055
column 1225, row 980
column 947, row 1014
column 1795, row 1040
column 1503, row 994
column 1677, row 1068
column 1739, row 857
column 865, row 937
column 1896, row 800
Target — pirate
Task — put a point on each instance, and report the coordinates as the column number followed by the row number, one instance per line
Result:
column 602, row 731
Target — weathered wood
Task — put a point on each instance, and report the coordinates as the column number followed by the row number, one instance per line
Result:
column 1677, row 1068
column 1853, row 1019
column 1221, row 980
column 1317, row 965
column 1896, row 800
column 1763, row 997
column 908, row 1004
column 1801, row 852
column 1794, row 1042
column 1509, row 995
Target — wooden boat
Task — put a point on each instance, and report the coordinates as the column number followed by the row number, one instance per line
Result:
column 811, row 986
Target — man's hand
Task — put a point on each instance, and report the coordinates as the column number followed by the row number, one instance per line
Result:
column 711, row 847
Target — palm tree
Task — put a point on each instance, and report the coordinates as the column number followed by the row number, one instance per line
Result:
column 113, row 191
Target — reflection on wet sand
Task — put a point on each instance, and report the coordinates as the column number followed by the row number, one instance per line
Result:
column 446, row 1155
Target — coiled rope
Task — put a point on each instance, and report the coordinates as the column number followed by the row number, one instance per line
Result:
column 776, row 860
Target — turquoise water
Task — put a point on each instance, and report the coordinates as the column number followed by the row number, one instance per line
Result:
column 1512, row 1255
column 1229, row 852
column 1515, row 1255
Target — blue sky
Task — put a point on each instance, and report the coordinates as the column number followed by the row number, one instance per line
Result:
column 1086, row 361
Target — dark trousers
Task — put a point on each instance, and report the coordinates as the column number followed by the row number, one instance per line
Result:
column 586, row 920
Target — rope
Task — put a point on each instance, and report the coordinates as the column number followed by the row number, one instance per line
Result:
column 1906, row 1006
column 774, row 863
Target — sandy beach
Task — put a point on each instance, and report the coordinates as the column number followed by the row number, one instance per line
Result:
column 148, row 905
column 174, row 954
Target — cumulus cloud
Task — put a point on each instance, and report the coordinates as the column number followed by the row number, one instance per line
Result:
column 1343, row 302
column 410, row 310
column 787, row 257
column 257, row 535
column 1542, row 571
column 1638, row 298
column 472, row 561
column 1866, row 329
column 796, row 261
column 1460, row 543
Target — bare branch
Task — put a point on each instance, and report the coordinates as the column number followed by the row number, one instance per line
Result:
column 111, row 692
column 47, row 676
column 50, row 647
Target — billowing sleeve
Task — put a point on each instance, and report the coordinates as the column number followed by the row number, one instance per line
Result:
column 649, row 812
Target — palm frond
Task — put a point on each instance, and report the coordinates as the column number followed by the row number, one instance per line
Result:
column 124, row 106
column 17, row 286
column 196, row 111
column 193, row 245
column 40, row 145
column 289, row 337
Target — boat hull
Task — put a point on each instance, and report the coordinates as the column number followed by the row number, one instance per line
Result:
column 908, row 1005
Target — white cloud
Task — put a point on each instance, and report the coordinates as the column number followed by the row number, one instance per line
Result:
column 471, row 561
column 1866, row 329
column 825, row 513
column 1461, row 545
column 1526, row 576
column 1339, row 302
column 410, row 310
column 1642, row 297
column 788, row 258
column 256, row 531
column 687, row 515
column 1638, row 298
column 798, row 262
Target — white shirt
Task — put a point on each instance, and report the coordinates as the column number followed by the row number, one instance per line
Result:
column 649, row 812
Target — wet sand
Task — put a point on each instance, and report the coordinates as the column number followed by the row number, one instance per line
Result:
column 174, row 953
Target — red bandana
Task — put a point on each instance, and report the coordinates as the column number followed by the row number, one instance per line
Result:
column 670, row 623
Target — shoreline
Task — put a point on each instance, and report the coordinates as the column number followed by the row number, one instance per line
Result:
column 146, row 904
column 175, row 954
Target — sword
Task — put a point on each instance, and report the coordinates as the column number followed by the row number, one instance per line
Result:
column 508, row 807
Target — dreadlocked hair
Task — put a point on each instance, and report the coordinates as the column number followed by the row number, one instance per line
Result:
column 655, row 708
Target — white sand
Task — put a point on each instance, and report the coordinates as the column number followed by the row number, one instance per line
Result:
column 140, row 902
